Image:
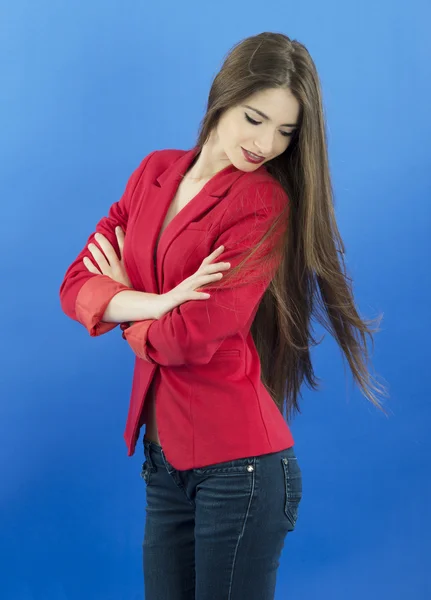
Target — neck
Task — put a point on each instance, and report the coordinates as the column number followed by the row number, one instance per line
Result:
column 210, row 160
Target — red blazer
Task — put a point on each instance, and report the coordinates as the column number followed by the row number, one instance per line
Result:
column 211, row 404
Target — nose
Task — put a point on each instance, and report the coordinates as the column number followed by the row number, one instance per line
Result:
column 264, row 144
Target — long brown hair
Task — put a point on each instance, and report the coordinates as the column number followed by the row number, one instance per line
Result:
column 311, row 278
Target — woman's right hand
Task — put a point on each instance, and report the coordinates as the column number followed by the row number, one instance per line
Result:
column 187, row 289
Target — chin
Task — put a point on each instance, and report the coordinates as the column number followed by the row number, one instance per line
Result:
column 246, row 167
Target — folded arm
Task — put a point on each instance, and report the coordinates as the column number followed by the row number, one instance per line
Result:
column 192, row 332
column 85, row 296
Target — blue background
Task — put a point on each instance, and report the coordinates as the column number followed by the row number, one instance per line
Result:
column 88, row 89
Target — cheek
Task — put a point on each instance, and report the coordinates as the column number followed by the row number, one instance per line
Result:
column 232, row 130
column 233, row 133
column 283, row 145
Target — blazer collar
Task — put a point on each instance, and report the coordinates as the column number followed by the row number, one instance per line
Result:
column 161, row 194
column 217, row 186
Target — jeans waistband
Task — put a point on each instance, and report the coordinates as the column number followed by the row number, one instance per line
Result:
column 150, row 444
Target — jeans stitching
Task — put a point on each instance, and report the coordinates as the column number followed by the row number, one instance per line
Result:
column 243, row 527
column 292, row 497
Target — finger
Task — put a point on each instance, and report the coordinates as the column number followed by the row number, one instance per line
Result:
column 206, row 279
column 107, row 248
column 99, row 258
column 214, row 267
column 211, row 269
column 120, row 238
column 89, row 265
column 211, row 257
column 217, row 251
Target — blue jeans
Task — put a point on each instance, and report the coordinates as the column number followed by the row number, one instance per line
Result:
column 216, row 533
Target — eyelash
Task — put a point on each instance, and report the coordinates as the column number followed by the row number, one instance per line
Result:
column 253, row 122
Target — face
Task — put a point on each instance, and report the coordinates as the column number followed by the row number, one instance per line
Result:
column 263, row 124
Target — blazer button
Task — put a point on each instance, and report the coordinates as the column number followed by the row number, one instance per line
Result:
column 250, row 468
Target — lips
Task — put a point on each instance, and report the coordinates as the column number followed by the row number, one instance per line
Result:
column 250, row 158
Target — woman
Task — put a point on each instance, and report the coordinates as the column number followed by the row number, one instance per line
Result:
column 223, row 368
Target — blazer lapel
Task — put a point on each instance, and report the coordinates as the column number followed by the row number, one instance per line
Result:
column 162, row 192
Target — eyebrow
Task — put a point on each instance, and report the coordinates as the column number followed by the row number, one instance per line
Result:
column 264, row 116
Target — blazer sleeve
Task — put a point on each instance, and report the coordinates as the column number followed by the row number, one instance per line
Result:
column 192, row 332
column 84, row 296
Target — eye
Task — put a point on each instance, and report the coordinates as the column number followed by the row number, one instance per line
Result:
column 250, row 120
column 253, row 122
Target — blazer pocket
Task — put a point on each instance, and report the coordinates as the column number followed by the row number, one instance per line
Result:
column 220, row 354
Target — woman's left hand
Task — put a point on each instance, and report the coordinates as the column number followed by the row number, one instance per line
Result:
column 108, row 263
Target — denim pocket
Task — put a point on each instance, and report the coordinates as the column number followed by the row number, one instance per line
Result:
column 146, row 472
column 293, row 487
column 237, row 466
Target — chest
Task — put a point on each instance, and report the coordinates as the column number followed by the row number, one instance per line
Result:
column 171, row 229
column 183, row 195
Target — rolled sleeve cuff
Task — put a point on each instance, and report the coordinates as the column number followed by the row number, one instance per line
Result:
column 92, row 301
column 136, row 335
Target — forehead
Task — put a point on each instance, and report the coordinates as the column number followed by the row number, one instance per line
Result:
column 280, row 105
